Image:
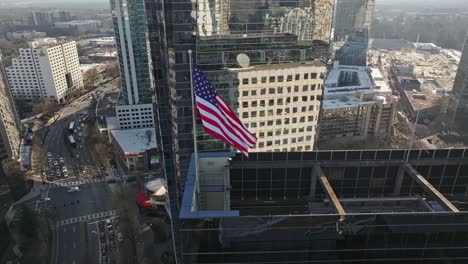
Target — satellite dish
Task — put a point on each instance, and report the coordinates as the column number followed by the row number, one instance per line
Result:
column 243, row 60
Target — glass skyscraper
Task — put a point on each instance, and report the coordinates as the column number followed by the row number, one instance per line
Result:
column 131, row 33
column 352, row 16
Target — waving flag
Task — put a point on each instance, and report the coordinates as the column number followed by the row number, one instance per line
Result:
column 218, row 119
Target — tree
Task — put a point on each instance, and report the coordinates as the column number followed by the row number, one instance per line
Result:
column 27, row 222
column 89, row 79
column 46, row 107
column 112, row 70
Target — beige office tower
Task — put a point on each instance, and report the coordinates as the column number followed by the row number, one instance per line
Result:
column 280, row 103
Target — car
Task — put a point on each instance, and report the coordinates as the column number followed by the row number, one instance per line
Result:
column 49, row 155
column 55, row 163
column 73, row 189
column 120, row 237
column 62, row 160
column 46, row 199
column 103, row 249
column 109, row 223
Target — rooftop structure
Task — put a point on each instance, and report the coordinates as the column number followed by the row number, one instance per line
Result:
column 326, row 206
column 357, row 103
column 344, row 80
column 135, row 148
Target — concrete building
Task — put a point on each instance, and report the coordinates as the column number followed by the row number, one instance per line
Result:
column 136, row 148
column 460, row 87
column 47, row 70
column 80, row 26
column 352, row 16
column 357, row 103
column 361, row 206
column 135, row 107
column 280, row 104
column 25, row 35
column 43, row 18
column 10, row 128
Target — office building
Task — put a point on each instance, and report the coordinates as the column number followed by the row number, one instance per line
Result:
column 218, row 50
column 460, row 87
column 80, row 26
column 358, row 206
column 357, row 104
column 43, row 18
column 9, row 123
column 280, row 104
column 61, row 16
column 47, row 70
column 352, row 16
column 135, row 106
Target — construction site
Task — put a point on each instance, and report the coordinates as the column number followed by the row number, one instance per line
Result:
column 361, row 206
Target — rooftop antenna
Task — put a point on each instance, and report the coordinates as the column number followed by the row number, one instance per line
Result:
column 417, row 40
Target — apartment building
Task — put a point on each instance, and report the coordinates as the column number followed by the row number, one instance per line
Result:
column 9, row 123
column 280, row 103
column 47, row 70
column 460, row 86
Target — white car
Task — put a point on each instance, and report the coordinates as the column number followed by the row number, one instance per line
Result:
column 74, row 189
column 47, row 199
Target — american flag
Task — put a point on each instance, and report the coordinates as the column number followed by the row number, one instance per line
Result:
column 217, row 117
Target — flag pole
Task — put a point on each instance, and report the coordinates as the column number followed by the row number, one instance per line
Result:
column 195, row 146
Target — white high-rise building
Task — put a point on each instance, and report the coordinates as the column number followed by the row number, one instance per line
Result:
column 47, row 70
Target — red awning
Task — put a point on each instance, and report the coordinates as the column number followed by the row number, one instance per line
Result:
column 142, row 199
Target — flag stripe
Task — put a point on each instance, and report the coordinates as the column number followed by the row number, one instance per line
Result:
column 213, row 114
column 231, row 117
column 217, row 117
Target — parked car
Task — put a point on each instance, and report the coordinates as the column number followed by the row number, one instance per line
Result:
column 74, row 189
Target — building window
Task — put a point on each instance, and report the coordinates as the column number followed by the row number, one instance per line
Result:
column 245, row 104
column 245, row 93
column 264, row 79
column 245, row 81
column 304, row 98
column 263, row 91
column 312, row 87
column 280, row 90
column 254, row 92
column 271, row 91
column 305, row 88
column 245, row 115
column 306, row 76
column 272, row 78
column 289, row 78
column 254, row 80
column 280, row 78
column 313, row 75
